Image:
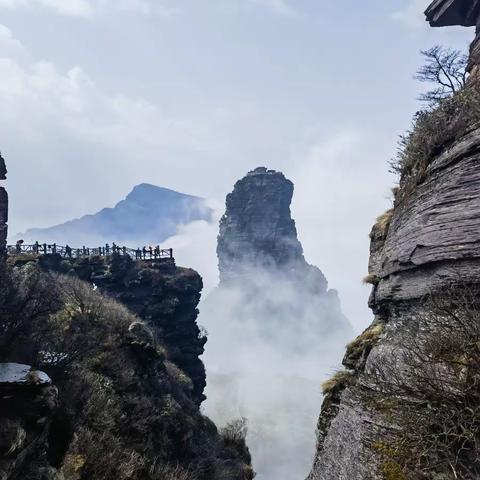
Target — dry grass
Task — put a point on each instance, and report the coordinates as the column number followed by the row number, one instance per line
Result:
column 384, row 221
column 433, row 131
column 368, row 338
column 341, row 379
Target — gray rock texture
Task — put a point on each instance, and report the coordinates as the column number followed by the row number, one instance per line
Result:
column 3, row 209
column 260, row 256
column 257, row 229
column 431, row 242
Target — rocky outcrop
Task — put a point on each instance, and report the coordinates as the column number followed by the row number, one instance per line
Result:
column 428, row 245
column 260, row 256
column 3, row 209
column 27, row 406
column 160, row 293
column 120, row 342
column 129, row 387
column 276, row 320
column 257, row 230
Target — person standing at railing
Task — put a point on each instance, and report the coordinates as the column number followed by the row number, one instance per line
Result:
column 18, row 246
column 68, row 251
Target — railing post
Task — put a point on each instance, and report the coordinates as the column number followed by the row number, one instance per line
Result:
column 171, row 253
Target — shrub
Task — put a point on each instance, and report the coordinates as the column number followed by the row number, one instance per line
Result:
column 434, row 130
column 371, row 279
column 234, row 435
column 436, row 384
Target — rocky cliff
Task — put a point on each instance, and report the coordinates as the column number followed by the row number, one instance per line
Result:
column 398, row 411
column 257, row 230
column 160, row 293
column 3, row 209
column 272, row 322
column 261, row 257
column 100, row 375
column 124, row 359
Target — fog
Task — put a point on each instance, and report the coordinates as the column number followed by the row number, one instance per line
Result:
column 265, row 360
column 273, row 338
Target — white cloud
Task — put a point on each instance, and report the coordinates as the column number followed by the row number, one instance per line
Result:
column 65, row 7
column 89, row 8
column 412, row 15
column 279, row 7
column 10, row 46
column 85, row 135
column 337, row 198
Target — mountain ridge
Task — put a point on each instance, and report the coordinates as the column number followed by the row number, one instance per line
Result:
column 148, row 214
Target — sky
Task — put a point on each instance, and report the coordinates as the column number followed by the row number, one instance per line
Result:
column 100, row 95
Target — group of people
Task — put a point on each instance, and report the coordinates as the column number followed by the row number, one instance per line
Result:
column 150, row 252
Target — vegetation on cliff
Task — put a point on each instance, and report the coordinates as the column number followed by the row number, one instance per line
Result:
column 430, row 392
column 126, row 410
column 453, row 110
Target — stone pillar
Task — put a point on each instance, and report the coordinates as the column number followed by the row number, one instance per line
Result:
column 3, row 210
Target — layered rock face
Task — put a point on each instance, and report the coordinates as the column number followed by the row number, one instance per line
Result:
column 257, row 230
column 3, row 209
column 428, row 245
column 260, row 256
column 273, row 325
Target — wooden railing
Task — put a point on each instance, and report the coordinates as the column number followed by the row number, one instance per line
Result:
column 145, row 253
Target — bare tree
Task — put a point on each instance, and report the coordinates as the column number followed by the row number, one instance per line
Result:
column 444, row 67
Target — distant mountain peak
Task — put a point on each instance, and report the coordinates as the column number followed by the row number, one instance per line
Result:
column 149, row 214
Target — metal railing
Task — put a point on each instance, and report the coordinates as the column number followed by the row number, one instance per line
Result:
column 145, row 253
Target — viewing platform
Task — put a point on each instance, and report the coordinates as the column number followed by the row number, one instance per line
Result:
column 145, row 253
